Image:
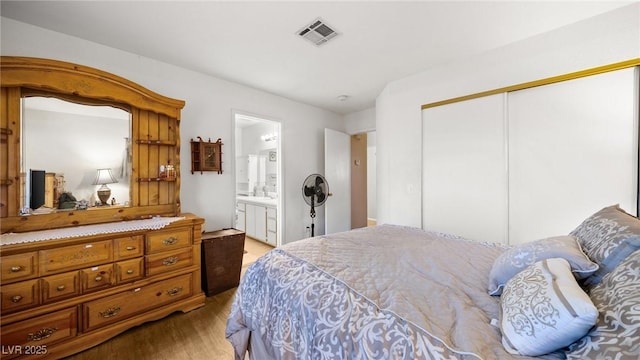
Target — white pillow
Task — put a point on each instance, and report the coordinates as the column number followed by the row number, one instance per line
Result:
column 543, row 309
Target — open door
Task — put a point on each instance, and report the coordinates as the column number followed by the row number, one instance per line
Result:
column 337, row 171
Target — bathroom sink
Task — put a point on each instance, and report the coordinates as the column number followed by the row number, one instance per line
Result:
column 258, row 199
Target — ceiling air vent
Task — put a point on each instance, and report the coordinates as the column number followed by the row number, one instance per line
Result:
column 318, row 32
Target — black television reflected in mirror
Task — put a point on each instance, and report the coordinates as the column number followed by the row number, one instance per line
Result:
column 37, row 188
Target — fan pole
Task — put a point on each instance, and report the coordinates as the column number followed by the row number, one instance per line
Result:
column 313, row 215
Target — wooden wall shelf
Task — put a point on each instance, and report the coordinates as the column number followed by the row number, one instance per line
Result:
column 206, row 156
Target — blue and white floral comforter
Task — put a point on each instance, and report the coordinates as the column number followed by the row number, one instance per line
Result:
column 384, row 292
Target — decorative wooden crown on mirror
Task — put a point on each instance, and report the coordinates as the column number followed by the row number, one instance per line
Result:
column 155, row 140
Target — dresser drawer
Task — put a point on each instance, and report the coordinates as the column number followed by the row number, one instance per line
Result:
column 168, row 240
column 129, row 270
column 20, row 295
column 75, row 257
column 128, row 247
column 56, row 287
column 96, row 278
column 19, row 267
column 124, row 305
column 168, row 261
column 42, row 330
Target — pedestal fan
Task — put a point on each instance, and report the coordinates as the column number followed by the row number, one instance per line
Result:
column 315, row 191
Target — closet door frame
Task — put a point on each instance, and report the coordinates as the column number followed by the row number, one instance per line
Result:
column 427, row 208
column 573, row 149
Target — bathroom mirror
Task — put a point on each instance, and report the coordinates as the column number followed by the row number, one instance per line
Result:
column 63, row 144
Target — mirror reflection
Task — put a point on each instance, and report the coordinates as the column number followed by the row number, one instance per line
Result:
column 257, row 165
column 64, row 145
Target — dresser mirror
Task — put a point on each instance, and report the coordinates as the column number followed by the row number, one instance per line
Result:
column 74, row 155
column 64, row 143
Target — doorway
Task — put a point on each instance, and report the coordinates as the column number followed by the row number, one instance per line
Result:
column 350, row 168
column 258, row 178
column 363, row 179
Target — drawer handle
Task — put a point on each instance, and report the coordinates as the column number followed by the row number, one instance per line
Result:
column 41, row 334
column 129, row 271
column 130, row 248
column 16, row 268
column 170, row 261
column 60, row 287
column 110, row 312
column 170, row 241
column 175, row 291
column 16, row 299
column 98, row 278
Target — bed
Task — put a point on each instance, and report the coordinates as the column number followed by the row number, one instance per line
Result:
column 396, row 292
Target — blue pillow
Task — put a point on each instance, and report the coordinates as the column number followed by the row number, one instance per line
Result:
column 519, row 257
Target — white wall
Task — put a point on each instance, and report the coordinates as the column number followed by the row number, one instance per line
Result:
column 372, row 203
column 605, row 39
column 208, row 113
column 360, row 121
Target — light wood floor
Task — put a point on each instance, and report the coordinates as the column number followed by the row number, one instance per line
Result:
column 199, row 334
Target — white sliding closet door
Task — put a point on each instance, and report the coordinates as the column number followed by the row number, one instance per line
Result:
column 573, row 149
column 464, row 189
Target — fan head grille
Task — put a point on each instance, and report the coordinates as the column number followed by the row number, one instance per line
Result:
column 315, row 190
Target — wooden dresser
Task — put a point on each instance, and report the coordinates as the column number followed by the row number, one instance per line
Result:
column 65, row 295
column 70, row 291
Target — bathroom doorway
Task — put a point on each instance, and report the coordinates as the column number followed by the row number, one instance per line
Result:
column 258, row 174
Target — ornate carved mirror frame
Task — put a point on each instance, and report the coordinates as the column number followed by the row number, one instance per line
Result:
column 155, row 121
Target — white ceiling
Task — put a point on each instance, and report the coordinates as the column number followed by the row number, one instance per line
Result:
column 255, row 43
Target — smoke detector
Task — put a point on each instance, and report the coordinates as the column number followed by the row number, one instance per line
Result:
column 318, row 32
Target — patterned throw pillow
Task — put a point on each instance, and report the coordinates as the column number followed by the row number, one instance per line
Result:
column 543, row 309
column 617, row 255
column 603, row 233
column 519, row 257
column 617, row 332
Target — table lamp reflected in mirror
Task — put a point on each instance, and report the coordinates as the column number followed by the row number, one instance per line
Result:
column 104, row 177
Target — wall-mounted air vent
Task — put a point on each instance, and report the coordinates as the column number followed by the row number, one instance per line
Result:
column 318, row 32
